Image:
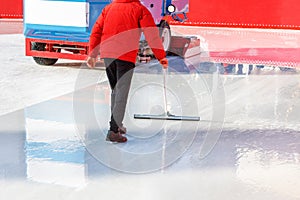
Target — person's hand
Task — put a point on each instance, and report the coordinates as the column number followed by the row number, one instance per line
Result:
column 164, row 62
column 91, row 62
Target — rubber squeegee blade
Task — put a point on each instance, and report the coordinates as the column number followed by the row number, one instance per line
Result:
column 167, row 116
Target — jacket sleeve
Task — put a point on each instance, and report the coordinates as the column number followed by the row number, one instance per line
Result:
column 95, row 37
column 151, row 33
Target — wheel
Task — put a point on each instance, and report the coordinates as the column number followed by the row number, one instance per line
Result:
column 39, row 60
column 165, row 34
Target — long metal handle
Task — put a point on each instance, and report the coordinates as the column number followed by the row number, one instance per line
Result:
column 165, row 91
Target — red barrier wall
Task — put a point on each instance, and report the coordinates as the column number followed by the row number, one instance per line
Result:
column 11, row 9
column 228, row 13
column 245, row 13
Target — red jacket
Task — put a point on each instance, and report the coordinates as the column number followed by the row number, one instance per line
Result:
column 118, row 30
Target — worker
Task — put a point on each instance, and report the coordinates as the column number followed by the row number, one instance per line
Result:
column 116, row 36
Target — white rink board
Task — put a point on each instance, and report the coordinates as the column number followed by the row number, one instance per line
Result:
column 59, row 13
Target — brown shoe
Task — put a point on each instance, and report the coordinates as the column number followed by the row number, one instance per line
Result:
column 122, row 130
column 115, row 137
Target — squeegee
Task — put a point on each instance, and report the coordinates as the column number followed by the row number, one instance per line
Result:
column 166, row 115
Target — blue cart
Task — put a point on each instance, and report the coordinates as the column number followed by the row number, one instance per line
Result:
column 56, row 29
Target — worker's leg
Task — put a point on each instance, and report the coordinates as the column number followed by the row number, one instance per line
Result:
column 240, row 69
column 124, row 75
column 111, row 72
column 119, row 74
column 250, row 69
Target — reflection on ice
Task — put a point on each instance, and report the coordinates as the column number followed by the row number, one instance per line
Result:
column 270, row 168
column 54, row 153
column 256, row 155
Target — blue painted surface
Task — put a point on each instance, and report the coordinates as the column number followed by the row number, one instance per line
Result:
column 61, row 151
column 61, row 33
column 168, row 2
column 95, row 10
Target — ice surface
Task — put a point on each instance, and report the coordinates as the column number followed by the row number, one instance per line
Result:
column 24, row 83
column 52, row 148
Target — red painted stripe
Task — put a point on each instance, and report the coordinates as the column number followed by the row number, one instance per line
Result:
column 11, row 26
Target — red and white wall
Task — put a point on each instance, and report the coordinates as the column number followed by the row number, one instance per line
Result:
column 277, row 14
column 217, row 13
column 11, row 9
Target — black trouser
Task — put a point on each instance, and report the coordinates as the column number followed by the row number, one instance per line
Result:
column 119, row 75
